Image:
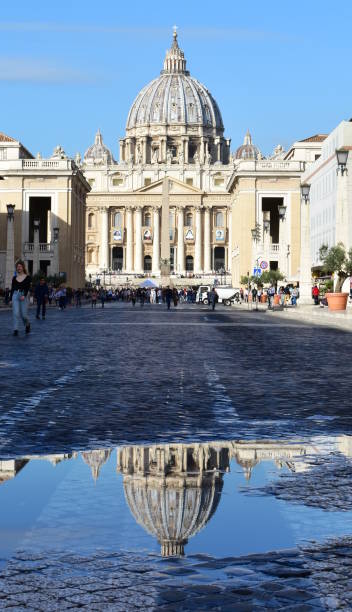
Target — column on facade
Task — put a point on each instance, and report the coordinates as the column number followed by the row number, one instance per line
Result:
column 202, row 150
column 104, row 239
column 229, row 238
column 138, row 267
column 128, row 149
column 156, row 241
column 162, row 156
column 207, row 241
column 10, row 248
column 283, row 245
column 122, row 145
column 198, row 242
column 180, row 241
column 144, row 149
column 129, row 240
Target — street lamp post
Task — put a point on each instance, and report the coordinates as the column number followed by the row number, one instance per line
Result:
column 55, row 267
column 10, row 246
column 342, row 204
column 36, row 247
column 342, row 155
column 305, row 273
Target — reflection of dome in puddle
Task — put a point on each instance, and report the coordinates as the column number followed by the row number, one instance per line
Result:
column 173, row 490
column 96, row 459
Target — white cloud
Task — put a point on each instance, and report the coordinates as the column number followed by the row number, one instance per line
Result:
column 40, row 71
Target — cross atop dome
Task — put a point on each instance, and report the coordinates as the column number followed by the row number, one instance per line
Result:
column 174, row 62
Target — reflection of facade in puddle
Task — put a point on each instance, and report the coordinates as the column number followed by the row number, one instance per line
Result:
column 10, row 468
column 173, row 490
column 96, row 459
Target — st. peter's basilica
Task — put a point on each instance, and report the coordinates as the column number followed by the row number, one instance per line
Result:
column 178, row 202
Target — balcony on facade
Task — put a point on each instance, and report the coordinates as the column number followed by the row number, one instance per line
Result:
column 46, row 250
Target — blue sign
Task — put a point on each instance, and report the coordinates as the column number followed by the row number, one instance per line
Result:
column 257, row 271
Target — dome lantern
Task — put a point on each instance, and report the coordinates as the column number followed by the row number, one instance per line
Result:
column 175, row 62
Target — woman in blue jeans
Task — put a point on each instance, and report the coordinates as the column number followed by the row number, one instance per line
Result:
column 19, row 295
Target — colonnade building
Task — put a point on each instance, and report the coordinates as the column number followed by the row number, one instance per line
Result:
column 215, row 198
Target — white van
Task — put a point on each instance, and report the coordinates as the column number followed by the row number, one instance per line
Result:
column 226, row 294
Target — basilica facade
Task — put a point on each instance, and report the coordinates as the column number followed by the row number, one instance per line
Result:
column 215, row 198
column 180, row 204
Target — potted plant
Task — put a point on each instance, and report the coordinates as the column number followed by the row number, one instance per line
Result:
column 272, row 277
column 338, row 262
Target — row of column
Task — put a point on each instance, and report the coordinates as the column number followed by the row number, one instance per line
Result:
column 128, row 149
column 137, row 267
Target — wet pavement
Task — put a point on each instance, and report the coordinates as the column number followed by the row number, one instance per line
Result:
column 174, row 460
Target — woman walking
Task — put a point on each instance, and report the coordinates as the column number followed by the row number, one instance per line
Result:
column 19, row 295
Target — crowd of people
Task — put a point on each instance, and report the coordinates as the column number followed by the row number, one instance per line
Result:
column 286, row 295
column 23, row 292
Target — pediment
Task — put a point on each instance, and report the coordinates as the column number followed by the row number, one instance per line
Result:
column 176, row 187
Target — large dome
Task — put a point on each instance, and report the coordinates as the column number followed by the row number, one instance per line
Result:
column 175, row 98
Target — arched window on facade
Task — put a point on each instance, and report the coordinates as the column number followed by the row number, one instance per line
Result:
column 117, row 219
column 91, row 220
column 219, row 219
column 90, row 256
column 147, row 219
column 189, row 220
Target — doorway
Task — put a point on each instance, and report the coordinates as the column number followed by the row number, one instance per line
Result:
column 117, row 258
column 219, row 258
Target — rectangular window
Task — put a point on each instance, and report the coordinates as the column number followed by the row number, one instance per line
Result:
column 91, row 182
column 218, row 182
column 3, row 154
column 189, row 181
column 147, row 181
column 117, row 182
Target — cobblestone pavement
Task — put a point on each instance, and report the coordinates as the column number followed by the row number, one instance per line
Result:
column 89, row 378
column 326, row 484
column 310, row 578
column 96, row 379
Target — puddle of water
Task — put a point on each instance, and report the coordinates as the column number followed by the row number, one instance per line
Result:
column 175, row 498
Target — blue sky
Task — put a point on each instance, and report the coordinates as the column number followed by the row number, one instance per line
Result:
column 279, row 68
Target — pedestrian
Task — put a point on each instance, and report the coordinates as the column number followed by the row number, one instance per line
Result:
column 213, row 298
column 175, row 296
column 294, row 296
column 271, row 293
column 133, row 297
column 102, row 297
column 241, row 295
column 41, row 294
column 61, row 294
column 78, row 295
column 20, row 286
column 315, row 294
column 254, row 294
column 168, row 297
column 94, row 298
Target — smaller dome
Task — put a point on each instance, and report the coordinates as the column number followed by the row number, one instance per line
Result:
column 96, row 459
column 98, row 153
column 248, row 150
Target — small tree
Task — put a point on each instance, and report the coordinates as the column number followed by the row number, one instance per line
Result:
column 272, row 277
column 337, row 261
